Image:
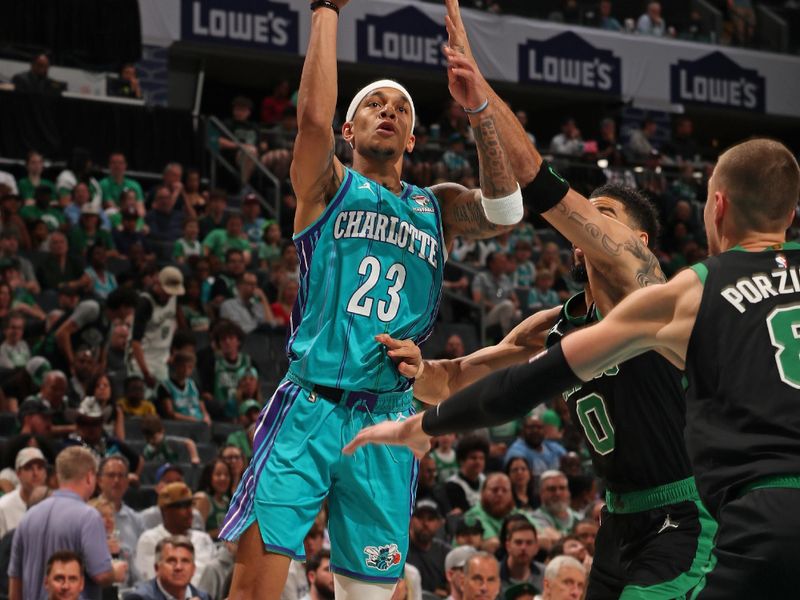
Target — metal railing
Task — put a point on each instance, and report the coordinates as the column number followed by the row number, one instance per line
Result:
column 269, row 199
column 772, row 31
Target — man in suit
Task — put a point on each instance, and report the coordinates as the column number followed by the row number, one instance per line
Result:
column 174, row 570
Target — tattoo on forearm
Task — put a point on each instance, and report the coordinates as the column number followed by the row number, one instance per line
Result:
column 647, row 273
column 471, row 221
column 496, row 177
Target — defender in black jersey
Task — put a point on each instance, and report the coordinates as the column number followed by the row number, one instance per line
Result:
column 655, row 536
column 733, row 323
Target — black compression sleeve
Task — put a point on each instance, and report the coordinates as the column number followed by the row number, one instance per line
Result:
column 502, row 396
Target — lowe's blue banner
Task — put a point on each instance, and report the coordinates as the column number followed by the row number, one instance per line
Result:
column 716, row 80
column 259, row 24
column 406, row 37
column 567, row 60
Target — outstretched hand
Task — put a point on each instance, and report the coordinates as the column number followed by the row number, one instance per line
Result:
column 465, row 81
column 394, row 433
column 405, row 353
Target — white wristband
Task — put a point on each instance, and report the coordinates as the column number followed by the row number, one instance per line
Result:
column 504, row 211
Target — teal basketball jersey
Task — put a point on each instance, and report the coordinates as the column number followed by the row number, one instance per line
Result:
column 371, row 263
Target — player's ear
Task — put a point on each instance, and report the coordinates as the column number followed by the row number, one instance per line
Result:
column 721, row 208
column 347, row 133
column 410, row 143
column 644, row 237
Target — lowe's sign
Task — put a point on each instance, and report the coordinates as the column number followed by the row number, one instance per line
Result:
column 570, row 61
column 715, row 80
column 406, row 37
column 255, row 23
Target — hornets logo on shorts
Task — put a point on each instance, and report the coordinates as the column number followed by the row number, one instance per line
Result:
column 382, row 557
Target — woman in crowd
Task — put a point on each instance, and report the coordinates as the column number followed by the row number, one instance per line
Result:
column 215, row 488
column 522, row 484
column 113, row 417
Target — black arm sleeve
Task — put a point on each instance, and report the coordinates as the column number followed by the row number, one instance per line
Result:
column 502, row 396
column 144, row 310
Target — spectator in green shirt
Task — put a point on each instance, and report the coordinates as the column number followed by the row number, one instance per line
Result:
column 43, row 209
column 113, row 185
column 219, row 241
column 35, row 167
column 248, row 415
column 88, row 232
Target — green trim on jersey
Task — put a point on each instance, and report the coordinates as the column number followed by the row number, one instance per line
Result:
column 579, row 320
column 655, row 497
column 776, row 248
column 694, row 578
column 701, row 271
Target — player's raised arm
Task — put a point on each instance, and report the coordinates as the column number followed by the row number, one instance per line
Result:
column 608, row 244
column 497, row 206
column 660, row 318
column 316, row 173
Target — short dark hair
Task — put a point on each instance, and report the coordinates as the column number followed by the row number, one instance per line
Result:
column 641, row 211
column 514, row 525
column 315, row 560
column 231, row 251
column 470, row 443
column 176, row 541
column 225, row 328
column 122, row 297
column 64, row 556
column 118, row 457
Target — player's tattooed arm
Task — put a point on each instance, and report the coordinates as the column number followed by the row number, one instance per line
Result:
column 610, row 245
column 496, row 177
column 463, row 215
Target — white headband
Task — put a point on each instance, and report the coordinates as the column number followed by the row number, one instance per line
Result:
column 376, row 85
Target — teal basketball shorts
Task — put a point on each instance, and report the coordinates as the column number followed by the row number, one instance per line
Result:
column 298, row 462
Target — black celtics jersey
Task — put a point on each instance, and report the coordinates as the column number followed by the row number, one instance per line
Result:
column 743, row 366
column 632, row 415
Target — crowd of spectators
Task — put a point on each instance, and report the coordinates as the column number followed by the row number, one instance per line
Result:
column 130, row 394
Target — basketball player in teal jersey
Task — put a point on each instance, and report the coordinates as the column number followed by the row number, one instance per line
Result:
column 372, row 250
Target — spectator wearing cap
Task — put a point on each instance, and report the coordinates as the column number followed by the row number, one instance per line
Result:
column 59, row 266
column 14, row 351
column 521, row 591
column 113, row 481
column 564, row 579
column 188, row 245
column 248, row 415
column 113, row 185
column 425, row 551
column 175, row 503
column 175, row 568
column 464, row 488
column 90, row 435
column 164, row 220
column 519, row 566
column 250, row 308
column 89, row 326
column 496, row 504
column 88, row 232
column 166, row 474
column 36, row 424
column 31, row 468
column 64, row 578
column 454, row 564
column 219, row 241
column 9, row 248
column 64, row 522
column 154, row 323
